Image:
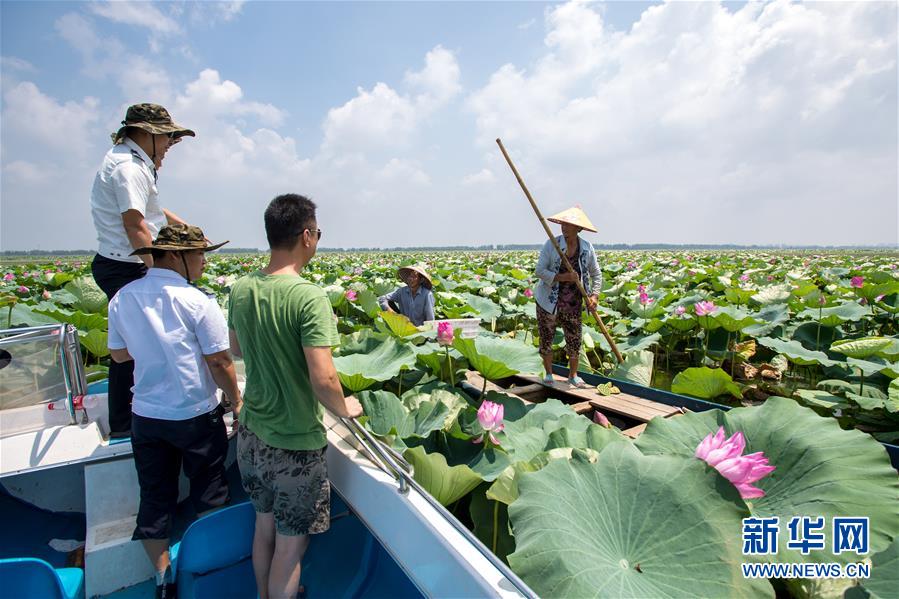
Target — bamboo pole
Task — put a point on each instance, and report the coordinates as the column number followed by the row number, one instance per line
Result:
column 565, row 262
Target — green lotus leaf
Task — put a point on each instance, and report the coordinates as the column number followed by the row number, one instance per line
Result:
column 580, row 533
column 733, row 319
column 336, row 295
column 653, row 310
column 821, row 469
column 63, row 297
column 868, row 367
column 445, row 483
column 638, row 343
column 866, row 402
column 360, row 371
column 505, row 487
column 890, row 352
column 360, row 342
column 21, row 314
column 705, row 383
column 388, row 416
column 884, row 578
column 738, row 296
column 453, row 401
column 862, row 348
column 841, row 387
column 368, row 301
column 79, row 319
column 637, row 368
column 816, row 337
column 89, row 297
column 486, row 309
column 491, row 524
column 398, row 324
column 770, row 317
column 95, row 341
column 774, row 294
column 869, row 292
column 497, row 358
column 893, row 392
column 58, row 279
column 796, row 352
column 836, row 315
column 680, row 323
column 816, row 398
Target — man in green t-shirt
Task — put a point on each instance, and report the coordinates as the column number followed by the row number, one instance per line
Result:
column 284, row 328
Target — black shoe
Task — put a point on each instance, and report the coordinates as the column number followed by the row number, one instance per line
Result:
column 166, row 591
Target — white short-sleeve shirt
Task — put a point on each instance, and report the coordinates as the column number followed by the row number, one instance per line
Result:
column 168, row 326
column 126, row 180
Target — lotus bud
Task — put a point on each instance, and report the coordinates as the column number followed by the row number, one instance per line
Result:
column 490, row 417
column 528, row 293
column 857, row 282
column 445, row 333
column 350, row 295
column 600, row 419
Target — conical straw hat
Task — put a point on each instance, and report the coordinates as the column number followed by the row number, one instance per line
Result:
column 420, row 269
column 573, row 216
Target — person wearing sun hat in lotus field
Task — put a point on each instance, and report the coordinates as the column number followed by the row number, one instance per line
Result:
column 178, row 340
column 127, row 215
column 558, row 297
column 415, row 300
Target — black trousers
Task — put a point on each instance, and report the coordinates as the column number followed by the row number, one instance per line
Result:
column 112, row 275
column 161, row 449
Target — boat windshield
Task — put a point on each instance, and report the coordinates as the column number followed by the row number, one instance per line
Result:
column 34, row 365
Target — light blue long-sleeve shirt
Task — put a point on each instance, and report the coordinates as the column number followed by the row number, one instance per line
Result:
column 417, row 309
column 546, row 292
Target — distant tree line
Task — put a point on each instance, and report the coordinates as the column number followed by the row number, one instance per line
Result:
column 511, row 247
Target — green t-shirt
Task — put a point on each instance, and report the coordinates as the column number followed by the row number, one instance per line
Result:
column 275, row 317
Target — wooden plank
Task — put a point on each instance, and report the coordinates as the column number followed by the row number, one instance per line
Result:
column 634, row 432
column 582, row 407
column 475, row 379
column 623, row 404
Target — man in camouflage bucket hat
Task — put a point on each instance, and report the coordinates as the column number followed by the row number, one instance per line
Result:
column 127, row 215
column 177, row 338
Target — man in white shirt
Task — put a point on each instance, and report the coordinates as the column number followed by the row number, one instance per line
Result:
column 178, row 339
column 127, row 215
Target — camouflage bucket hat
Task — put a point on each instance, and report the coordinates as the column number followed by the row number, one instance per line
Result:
column 179, row 237
column 152, row 118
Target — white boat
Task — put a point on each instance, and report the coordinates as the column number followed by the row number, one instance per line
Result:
column 66, row 488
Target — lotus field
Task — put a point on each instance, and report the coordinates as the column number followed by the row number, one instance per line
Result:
column 805, row 347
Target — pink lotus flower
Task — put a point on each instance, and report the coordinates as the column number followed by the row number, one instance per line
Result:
column 9, row 276
column 76, row 264
column 857, row 282
column 822, row 300
column 220, row 280
column 45, row 294
column 691, row 272
column 645, row 300
column 680, row 311
column 744, row 278
column 357, row 271
column 878, row 298
column 770, row 277
column 600, row 419
column 22, row 289
column 631, row 265
column 641, row 288
column 350, row 295
column 490, row 417
column 704, row 308
column 725, row 456
column 528, row 293
column 445, row 333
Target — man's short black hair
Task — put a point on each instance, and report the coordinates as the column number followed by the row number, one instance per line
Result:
column 286, row 217
column 158, row 254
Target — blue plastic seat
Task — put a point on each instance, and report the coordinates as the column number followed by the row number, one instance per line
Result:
column 213, row 558
column 30, row 577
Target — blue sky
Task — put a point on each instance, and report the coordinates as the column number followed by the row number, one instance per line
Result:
column 688, row 122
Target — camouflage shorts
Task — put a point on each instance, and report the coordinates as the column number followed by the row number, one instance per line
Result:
column 571, row 326
column 291, row 484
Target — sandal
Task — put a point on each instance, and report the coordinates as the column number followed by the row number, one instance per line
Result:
column 577, row 382
column 549, row 380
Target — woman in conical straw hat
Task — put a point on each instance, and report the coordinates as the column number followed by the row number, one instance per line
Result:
column 415, row 301
column 558, row 298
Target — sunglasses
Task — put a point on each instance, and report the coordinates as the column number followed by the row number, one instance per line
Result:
column 316, row 231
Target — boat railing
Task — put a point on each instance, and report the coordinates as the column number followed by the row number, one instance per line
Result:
column 59, row 339
column 395, row 466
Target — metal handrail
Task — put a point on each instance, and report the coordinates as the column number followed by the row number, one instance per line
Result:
column 69, row 355
column 406, row 481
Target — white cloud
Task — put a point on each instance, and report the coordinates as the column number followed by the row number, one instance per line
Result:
column 16, row 64
column 209, row 97
column 483, row 176
column 384, row 119
column 140, row 14
column 31, row 116
column 527, row 24
column 27, row 172
column 644, row 124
